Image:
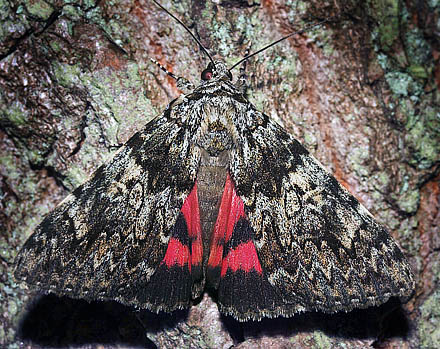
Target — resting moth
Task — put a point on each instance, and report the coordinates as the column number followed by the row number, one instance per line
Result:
column 214, row 193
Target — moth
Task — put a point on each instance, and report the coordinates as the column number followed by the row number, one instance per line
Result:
column 213, row 193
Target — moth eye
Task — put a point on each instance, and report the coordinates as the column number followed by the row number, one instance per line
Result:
column 207, row 74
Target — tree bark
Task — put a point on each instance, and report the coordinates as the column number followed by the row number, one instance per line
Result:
column 360, row 92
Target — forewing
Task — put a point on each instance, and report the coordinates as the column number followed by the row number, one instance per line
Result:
column 318, row 247
column 129, row 232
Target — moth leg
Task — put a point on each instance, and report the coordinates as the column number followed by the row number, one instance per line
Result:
column 183, row 84
column 241, row 82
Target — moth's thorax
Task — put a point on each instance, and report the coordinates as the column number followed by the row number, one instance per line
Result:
column 216, row 132
column 215, row 105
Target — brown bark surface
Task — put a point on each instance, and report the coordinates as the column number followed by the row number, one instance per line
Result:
column 360, row 92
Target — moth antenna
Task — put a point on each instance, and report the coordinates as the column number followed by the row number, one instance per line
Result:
column 187, row 29
column 245, row 58
column 182, row 83
column 241, row 82
column 164, row 69
column 243, row 67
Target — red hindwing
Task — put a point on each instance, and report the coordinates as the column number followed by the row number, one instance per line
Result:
column 232, row 247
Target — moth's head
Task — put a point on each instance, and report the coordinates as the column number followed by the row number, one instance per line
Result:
column 217, row 71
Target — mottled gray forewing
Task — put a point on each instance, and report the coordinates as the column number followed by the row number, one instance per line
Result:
column 319, row 248
column 108, row 237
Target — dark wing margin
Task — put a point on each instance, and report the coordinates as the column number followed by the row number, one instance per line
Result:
column 318, row 247
column 115, row 237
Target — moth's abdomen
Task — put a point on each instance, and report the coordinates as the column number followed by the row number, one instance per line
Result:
column 211, row 179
